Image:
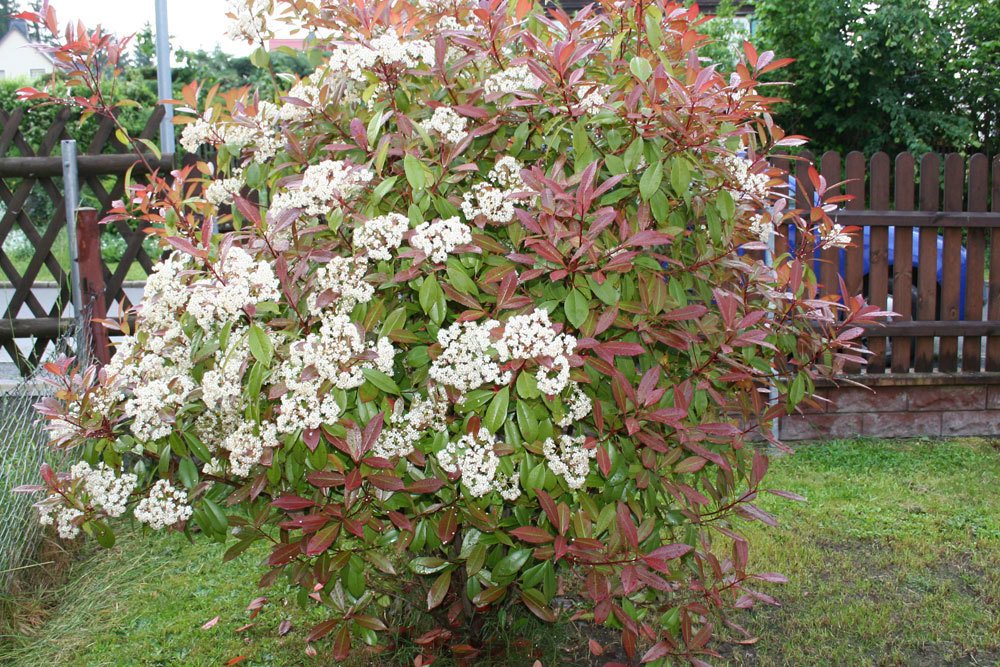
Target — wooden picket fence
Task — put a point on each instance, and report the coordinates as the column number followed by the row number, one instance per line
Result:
column 959, row 211
column 27, row 170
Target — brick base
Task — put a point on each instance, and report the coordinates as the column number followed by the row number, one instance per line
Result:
column 889, row 411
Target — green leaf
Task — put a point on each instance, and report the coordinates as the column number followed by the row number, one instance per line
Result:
column 510, row 564
column 414, row 172
column 216, row 516
column 394, row 321
column 641, row 68
column 650, row 181
column 496, row 414
column 260, row 58
column 104, row 535
column 187, row 472
column 725, row 204
column 577, row 308
column 260, row 345
column 526, row 421
column 381, row 380
column 438, row 590
column 633, row 154
column 527, row 386
column 428, row 565
column 459, row 279
column 680, row 176
column 429, row 292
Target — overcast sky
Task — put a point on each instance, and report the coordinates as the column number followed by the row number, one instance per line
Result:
column 194, row 24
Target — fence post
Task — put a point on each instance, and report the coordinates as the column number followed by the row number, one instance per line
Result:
column 88, row 239
column 71, row 199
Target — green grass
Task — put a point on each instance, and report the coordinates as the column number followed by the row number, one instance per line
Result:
column 895, row 560
column 60, row 250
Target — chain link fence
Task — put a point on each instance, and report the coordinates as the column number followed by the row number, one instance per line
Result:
column 23, row 449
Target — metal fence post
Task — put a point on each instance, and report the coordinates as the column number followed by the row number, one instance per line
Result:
column 164, row 83
column 71, row 198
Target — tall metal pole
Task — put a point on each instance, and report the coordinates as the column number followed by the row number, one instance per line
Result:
column 769, row 260
column 71, row 197
column 164, row 81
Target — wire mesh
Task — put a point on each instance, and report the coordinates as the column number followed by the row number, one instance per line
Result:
column 23, row 449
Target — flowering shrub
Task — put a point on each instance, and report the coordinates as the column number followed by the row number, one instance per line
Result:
column 491, row 325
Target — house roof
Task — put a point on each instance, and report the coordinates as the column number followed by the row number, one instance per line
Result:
column 18, row 28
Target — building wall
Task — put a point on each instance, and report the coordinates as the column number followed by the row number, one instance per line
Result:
column 913, row 406
column 18, row 59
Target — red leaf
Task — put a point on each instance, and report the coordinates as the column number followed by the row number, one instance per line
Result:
column 626, row 526
column 292, row 503
column 532, row 534
column 438, row 590
column 426, row 485
column 210, row 624
column 321, row 630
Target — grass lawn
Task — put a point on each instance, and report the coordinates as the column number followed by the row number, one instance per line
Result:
column 60, row 250
column 895, row 560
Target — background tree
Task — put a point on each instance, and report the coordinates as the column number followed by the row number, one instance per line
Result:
column 975, row 67
column 875, row 76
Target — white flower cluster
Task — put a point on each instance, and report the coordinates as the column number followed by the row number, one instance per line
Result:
column 569, row 459
column 474, row 457
column 531, row 336
column 158, row 387
column 465, row 361
column 221, row 386
column 62, row 517
column 401, row 437
column 515, row 79
column 592, row 102
column 492, row 200
column 579, row 406
column 749, row 185
column 241, row 281
column 106, row 489
column 435, row 6
column 307, row 93
column 324, row 186
column 761, row 227
column 337, row 355
column 246, row 445
column 357, row 58
column 380, row 236
column 250, row 22
column 341, row 282
column 54, row 511
column 222, row 190
column 447, row 124
column 164, row 506
column 836, row 237
column 439, row 238
column 258, row 130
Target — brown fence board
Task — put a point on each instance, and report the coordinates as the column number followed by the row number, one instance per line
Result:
column 951, row 269
column 993, row 309
column 878, row 259
column 829, row 266
column 902, row 266
column 854, row 253
column 923, row 352
column 979, row 168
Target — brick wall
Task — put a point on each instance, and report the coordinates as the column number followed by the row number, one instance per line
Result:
column 907, row 407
